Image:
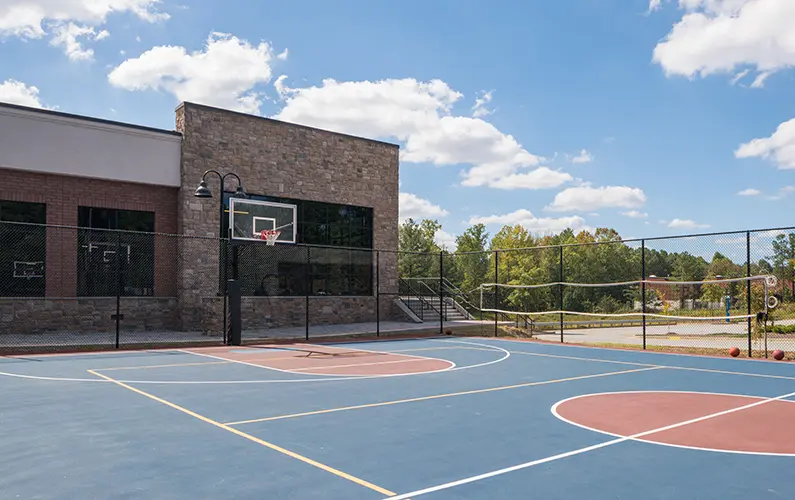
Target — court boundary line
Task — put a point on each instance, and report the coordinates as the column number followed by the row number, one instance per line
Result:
column 267, row 444
column 292, row 372
column 672, row 367
column 579, row 451
column 639, row 440
column 488, row 347
column 241, row 362
column 147, row 367
column 440, row 396
column 617, row 349
column 378, row 363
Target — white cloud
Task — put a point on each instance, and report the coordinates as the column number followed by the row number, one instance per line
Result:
column 445, row 240
column 65, row 20
column 739, row 76
column 782, row 193
column 780, row 147
column 634, row 214
column 412, row 206
column 479, row 110
column 721, row 36
column 654, row 5
column 587, row 198
column 15, row 92
column 540, row 178
column 420, row 115
column 686, row 224
column 583, row 157
column 223, row 74
column 66, row 35
column 283, row 55
column 749, row 192
column 526, row 219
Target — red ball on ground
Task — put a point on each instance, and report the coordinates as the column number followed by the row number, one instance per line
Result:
column 778, row 355
column 734, row 351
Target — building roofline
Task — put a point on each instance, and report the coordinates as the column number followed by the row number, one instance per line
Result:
column 307, row 127
column 49, row 112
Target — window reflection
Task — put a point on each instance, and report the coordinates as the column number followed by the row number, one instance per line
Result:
column 343, row 267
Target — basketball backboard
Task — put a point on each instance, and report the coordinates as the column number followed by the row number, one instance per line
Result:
column 248, row 218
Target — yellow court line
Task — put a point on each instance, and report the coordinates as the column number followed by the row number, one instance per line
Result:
column 332, row 470
column 160, row 366
column 439, row 396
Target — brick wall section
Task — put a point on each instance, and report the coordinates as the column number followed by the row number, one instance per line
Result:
column 64, row 194
column 280, row 159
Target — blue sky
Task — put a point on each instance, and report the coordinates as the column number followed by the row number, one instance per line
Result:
column 674, row 106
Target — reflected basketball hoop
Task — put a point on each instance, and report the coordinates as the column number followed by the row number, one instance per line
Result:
column 270, row 236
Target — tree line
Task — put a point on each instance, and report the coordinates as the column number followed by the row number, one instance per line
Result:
column 600, row 256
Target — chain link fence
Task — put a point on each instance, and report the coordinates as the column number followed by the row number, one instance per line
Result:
column 67, row 288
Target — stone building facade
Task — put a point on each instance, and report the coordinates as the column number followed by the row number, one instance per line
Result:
column 79, row 169
column 284, row 160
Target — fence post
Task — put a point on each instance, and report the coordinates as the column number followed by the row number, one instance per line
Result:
column 560, row 299
column 377, row 293
column 223, row 263
column 117, row 316
column 441, row 293
column 307, row 288
column 748, row 286
column 643, row 287
column 236, row 320
column 496, row 288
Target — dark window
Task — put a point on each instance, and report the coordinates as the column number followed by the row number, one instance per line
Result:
column 23, row 250
column 286, row 270
column 116, row 252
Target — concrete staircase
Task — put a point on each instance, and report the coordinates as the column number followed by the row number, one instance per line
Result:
column 427, row 308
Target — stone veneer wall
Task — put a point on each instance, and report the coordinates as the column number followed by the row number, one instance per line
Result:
column 264, row 313
column 87, row 314
column 281, row 159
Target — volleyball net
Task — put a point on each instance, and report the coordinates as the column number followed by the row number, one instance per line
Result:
column 721, row 299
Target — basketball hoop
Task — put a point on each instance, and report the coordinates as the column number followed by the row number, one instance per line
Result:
column 270, row 236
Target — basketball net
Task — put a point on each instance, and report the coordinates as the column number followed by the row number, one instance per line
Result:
column 270, row 235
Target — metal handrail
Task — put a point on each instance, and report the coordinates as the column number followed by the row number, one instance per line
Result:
column 421, row 298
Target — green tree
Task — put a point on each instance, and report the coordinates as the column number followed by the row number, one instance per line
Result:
column 784, row 261
column 472, row 258
column 419, row 257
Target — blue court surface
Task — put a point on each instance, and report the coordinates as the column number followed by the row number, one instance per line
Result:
column 492, row 425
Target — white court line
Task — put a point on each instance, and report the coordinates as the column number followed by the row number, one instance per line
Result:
column 328, row 378
column 555, row 412
column 627, row 350
column 414, row 358
column 672, row 367
column 579, row 451
column 331, row 367
column 371, row 351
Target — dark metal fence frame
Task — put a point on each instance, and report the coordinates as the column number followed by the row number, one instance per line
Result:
column 442, row 294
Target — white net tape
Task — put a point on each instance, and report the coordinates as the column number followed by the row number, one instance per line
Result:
column 769, row 282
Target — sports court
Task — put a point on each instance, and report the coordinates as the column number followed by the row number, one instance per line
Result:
column 438, row 418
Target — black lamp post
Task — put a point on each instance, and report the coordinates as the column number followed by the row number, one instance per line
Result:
column 204, row 192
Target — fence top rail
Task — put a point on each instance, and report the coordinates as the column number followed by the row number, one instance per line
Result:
column 620, row 241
